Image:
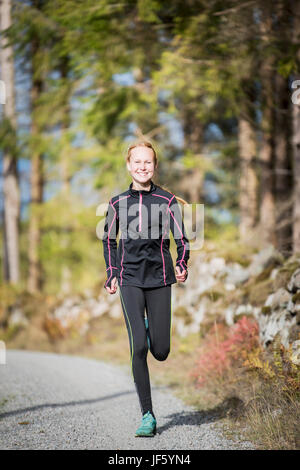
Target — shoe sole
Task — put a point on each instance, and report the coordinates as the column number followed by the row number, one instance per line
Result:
column 147, row 435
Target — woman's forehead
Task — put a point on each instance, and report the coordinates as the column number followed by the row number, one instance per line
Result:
column 142, row 152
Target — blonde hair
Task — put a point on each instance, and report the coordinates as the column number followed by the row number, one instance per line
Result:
column 145, row 143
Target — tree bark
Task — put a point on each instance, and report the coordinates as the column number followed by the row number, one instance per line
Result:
column 248, row 176
column 267, row 219
column 35, row 277
column 296, row 136
column 267, row 177
column 283, row 170
column 283, row 132
column 192, row 182
column 11, row 192
column 296, row 198
column 66, row 274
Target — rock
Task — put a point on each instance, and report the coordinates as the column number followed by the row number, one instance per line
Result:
column 115, row 311
column 236, row 274
column 279, row 322
column 232, row 312
column 244, row 309
column 277, row 318
column 180, row 327
column 294, row 284
column 96, row 308
column 229, row 286
column 274, row 273
column 279, row 299
column 295, row 356
column 17, row 318
column 229, row 315
column 293, row 308
column 217, row 265
column 264, row 259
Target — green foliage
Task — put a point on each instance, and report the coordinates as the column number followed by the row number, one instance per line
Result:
column 8, row 141
column 183, row 63
column 148, row 9
column 69, row 240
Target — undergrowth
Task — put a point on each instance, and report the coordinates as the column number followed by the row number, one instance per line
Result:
column 265, row 385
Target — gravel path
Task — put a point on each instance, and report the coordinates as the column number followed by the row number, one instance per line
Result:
column 55, row 401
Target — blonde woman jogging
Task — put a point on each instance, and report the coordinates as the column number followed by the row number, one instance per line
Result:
column 142, row 266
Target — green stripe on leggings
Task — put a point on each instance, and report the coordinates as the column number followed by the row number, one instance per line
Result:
column 131, row 336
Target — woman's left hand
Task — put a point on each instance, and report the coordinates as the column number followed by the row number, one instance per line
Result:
column 181, row 275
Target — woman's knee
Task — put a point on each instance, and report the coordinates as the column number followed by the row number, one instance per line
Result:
column 162, row 354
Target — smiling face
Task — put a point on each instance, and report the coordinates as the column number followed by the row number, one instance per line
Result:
column 141, row 165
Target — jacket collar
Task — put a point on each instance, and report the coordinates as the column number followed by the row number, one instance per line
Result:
column 136, row 193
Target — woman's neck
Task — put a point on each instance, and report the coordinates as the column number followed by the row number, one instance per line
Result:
column 141, row 186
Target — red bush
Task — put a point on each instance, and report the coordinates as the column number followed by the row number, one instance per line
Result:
column 222, row 347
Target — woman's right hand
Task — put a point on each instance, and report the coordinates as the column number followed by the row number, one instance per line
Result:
column 113, row 288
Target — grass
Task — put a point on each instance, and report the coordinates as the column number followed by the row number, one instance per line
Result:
column 273, row 420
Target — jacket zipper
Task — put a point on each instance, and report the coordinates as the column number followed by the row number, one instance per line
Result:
column 140, row 214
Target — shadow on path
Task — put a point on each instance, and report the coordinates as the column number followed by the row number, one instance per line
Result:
column 231, row 407
column 70, row 403
column 60, row 405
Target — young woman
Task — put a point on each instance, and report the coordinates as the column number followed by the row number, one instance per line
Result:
column 143, row 267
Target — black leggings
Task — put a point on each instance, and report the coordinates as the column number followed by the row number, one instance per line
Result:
column 157, row 302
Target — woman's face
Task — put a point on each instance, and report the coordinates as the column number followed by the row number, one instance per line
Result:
column 141, row 164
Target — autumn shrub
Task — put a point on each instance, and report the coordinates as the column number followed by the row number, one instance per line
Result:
column 222, row 347
column 279, row 367
column 273, row 412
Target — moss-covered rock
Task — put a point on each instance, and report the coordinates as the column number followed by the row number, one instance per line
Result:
column 265, row 274
column 266, row 310
column 213, row 295
column 182, row 312
column 296, row 298
column 284, row 274
column 259, row 292
column 294, row 283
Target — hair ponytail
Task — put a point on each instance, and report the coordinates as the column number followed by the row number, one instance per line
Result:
column 179, row 199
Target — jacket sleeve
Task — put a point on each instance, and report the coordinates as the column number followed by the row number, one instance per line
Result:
column 179, row 234
column 109, row 242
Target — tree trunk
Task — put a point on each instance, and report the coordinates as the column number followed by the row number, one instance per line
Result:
column 283, row 170
column 35, row 279
column 192, row 183
column 66, row 275
column 296, row 137
column 283, row 133
column 11, row 206
column 248, row 179
column 296, row 198
column 248, row 176
column 266, row 155
column 65, row 125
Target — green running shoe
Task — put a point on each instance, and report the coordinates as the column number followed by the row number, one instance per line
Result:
column 148, row 426
column 147, row 332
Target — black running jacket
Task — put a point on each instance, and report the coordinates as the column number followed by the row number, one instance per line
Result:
column 142, row 257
